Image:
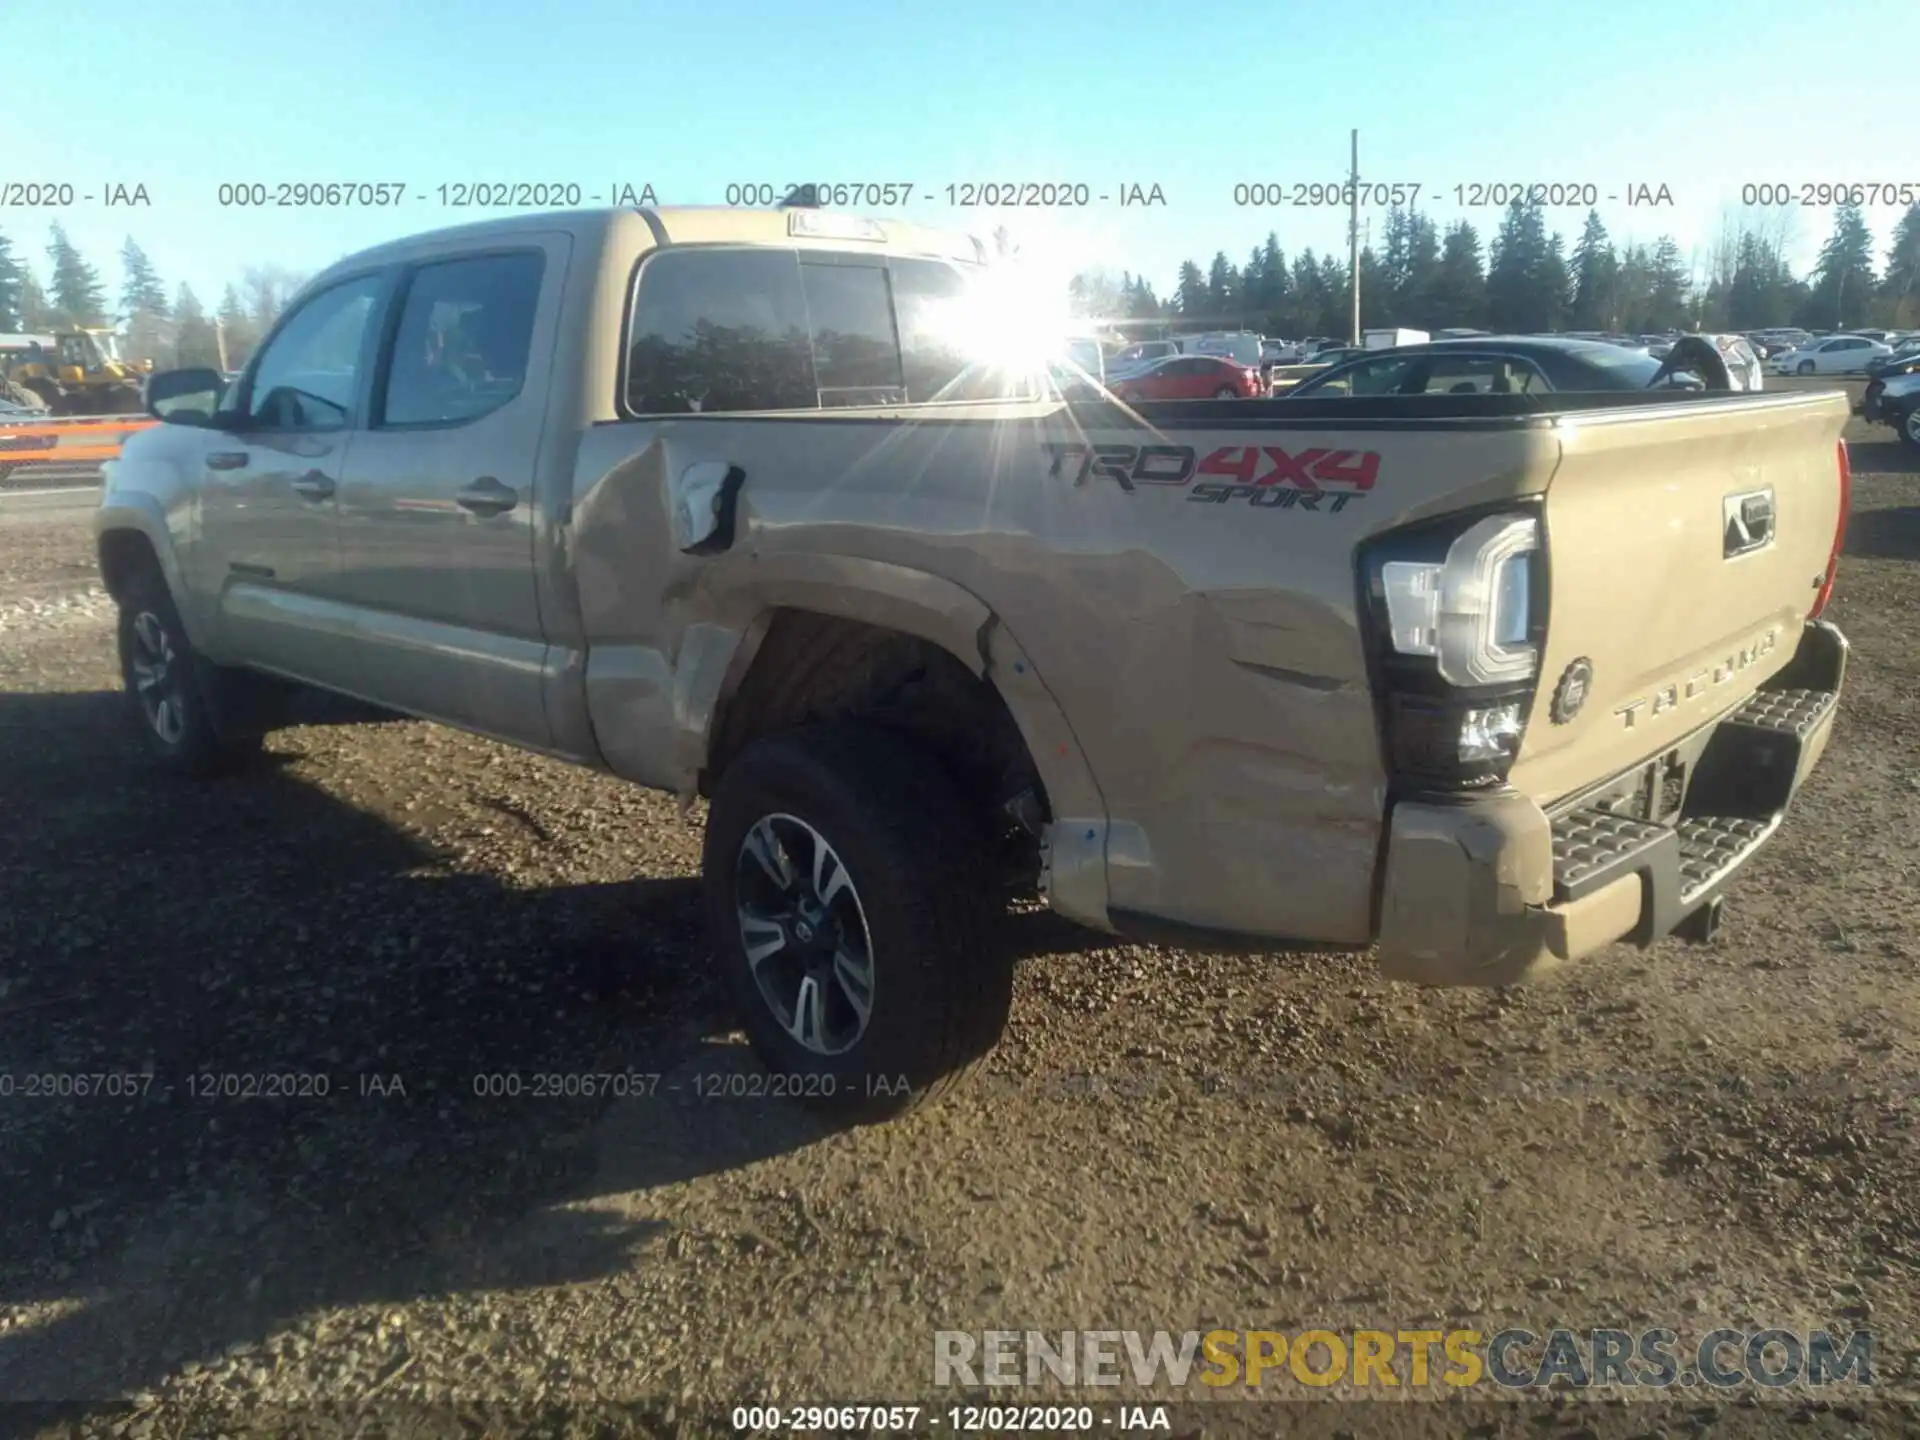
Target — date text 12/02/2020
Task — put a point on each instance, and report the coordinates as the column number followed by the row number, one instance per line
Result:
column 962, row 195
column 1469, row 195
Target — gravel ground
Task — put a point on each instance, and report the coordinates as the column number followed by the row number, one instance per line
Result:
column 1685, row 1136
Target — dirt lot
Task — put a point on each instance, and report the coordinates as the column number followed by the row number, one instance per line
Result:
column 1688, row 1136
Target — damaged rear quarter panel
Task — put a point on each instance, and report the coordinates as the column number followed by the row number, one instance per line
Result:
column 1197, row 627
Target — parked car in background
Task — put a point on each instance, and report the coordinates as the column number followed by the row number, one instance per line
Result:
column 1744, row 365
column 1282, row 378
column 1879, row 337
column 1894, row 400
column 1902, row 357
column 1836, row 355
column 1192, row 377
column 1140, row 354
column 1387, row 339
column 1515, row 365
column 1241, row 346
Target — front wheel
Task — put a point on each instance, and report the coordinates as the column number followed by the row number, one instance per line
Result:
column 1805, row 368
column 849, row 899
column 169, row 687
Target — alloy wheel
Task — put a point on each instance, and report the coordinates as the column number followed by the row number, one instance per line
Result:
column 156, row 678
column 805, row 934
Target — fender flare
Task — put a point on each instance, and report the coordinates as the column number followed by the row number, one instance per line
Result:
column 139, row 512
column 715, row 659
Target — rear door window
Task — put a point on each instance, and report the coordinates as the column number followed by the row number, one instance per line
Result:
column 719, row 331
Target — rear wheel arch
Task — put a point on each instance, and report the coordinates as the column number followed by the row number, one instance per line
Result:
column 798, row 666
column 985, row 711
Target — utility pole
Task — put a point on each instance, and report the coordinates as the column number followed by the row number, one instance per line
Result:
column 1353, row 235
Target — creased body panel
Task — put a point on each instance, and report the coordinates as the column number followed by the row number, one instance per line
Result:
column 1677, row 619
column 1186, row 594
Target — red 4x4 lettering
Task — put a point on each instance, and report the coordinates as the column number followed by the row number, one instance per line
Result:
column 1306, row 471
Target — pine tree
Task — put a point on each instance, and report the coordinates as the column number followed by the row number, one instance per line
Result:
column 78, row 296
column 36, row 313
column 1843, row 279
column 1414, row 297
column 1376, row 291
column 140, row 287
column 1253, row 279
column 1459, row 294
column 13, row 279
column 1190, row 290
column 1551, row 292
column 1309, row 298
column 1900, row 288
column 194, row 340
column 1276, row 285
column 242, row 334
column 1513, row 272
column 1223, row 286
column 144, row 303
column 1336, row 303
column 1596, row 278
column 1668, row 298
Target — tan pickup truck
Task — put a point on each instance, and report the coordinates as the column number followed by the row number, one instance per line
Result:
column 725, row 503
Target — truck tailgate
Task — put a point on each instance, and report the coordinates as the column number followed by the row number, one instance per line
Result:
column 1686, row 547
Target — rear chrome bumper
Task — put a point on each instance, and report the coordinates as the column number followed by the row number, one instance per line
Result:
column 1494, row 890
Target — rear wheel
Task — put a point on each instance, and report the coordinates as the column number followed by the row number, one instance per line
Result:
column 1226, row 392
column 849, row 898
column 176, row 695
column 1910, row 428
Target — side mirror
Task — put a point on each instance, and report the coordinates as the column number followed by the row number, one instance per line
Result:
column 186, row 397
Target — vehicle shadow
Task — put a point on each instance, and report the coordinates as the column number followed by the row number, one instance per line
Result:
column 1892, row 534
column 1882, row 457
column 264, row 1053
column 260, row 1055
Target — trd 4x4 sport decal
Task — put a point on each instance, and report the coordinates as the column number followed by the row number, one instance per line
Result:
column 1263, row 475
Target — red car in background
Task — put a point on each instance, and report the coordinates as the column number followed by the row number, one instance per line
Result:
column 1192, row 377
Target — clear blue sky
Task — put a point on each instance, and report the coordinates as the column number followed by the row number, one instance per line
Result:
column 691, row 97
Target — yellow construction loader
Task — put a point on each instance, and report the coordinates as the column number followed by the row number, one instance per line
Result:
column 76, row 372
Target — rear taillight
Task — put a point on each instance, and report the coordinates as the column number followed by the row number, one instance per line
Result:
column 1839, row 533
column 1457, row 618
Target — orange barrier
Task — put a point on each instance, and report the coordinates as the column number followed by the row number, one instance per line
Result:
column 92, row 427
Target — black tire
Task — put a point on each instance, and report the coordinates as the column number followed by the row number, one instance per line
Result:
column 1805, row 367
column 1226, row 392
column 918, row 859
column 206, row 729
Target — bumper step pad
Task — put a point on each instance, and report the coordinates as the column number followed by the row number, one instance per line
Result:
column 1712, row 846
column 1593, row 847
column 1685, row 864
column 1789, row 712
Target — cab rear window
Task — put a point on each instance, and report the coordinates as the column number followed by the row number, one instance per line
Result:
column 755, row 329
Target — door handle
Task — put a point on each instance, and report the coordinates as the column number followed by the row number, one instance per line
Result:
column 487, row 496
column 227, row 460
column 314, row 486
